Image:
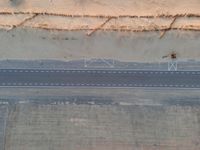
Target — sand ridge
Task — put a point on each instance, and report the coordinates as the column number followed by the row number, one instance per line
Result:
column 127, row 15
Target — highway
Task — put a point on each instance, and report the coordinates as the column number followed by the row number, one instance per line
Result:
column 99, row 78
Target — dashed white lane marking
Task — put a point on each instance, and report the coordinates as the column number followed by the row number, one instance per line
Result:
column 102, row 71
column 100, row 85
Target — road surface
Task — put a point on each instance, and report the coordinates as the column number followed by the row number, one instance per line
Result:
column 99, row 78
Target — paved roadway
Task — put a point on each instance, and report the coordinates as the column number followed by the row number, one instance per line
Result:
column 99, row 78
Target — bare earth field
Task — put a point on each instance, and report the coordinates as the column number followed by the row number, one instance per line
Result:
column 31, row 44
column 99, row 119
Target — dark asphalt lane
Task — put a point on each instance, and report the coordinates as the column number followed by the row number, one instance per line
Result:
column 99, row 78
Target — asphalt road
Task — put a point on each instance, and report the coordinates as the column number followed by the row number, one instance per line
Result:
column 99, row 78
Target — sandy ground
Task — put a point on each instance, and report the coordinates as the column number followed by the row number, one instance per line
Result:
column 32, row 44
column 103, row 7
column 66, row 25
column 52, row 22
column 131, row 96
